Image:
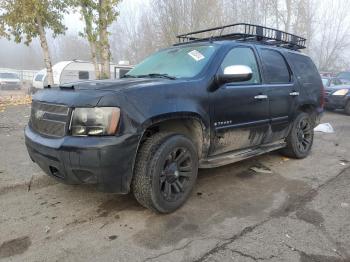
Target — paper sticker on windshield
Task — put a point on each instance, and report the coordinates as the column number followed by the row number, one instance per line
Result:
column 196, row 55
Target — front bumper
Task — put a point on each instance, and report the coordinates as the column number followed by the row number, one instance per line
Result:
column 336, row 102
column 104, row 161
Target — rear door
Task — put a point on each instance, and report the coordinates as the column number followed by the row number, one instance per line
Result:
column 240, row 111
column 282, row 90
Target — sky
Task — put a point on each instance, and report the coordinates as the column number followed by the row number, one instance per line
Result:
column 19, row 56
column 75, row 24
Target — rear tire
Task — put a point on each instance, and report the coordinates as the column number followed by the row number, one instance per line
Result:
column 165, row 172
column 300, row 138
column 347, row 108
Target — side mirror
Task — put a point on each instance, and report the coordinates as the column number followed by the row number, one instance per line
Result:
column 235, row 73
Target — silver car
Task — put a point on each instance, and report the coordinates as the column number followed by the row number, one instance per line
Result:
column 9, row 81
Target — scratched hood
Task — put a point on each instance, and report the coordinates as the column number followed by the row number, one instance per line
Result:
column 91, row 93
column 115, row 85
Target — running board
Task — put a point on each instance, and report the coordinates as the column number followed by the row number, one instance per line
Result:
column 232, row 157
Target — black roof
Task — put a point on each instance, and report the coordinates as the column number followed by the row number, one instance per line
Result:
column 246, row 32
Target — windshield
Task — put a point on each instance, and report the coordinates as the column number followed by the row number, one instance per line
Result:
column 177, row 62
column 9, row 75
column 325, row 81
column 344, row 75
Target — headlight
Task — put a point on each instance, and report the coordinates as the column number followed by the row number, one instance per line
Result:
column 341, row 92
column 97, row 121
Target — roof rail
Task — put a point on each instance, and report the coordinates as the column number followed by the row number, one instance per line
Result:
column 246, row 32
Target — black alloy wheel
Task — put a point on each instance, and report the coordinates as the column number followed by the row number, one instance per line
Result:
column 175, row 174
column 165, row 172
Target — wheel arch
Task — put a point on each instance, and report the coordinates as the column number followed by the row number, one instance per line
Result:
column 309, row 108
column 190, row 124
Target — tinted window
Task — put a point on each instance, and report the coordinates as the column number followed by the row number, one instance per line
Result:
column 275, row 67
column 305, row 68
column 242, row 56
column 83, row 75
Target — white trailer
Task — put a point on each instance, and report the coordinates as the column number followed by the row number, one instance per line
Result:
column 75, row 70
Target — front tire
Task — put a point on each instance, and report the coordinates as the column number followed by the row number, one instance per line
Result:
column 300, row 138
column 165, row 172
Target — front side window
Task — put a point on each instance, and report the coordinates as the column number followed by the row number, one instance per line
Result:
column 178, row 62
column 275, row 68
column 242, row 56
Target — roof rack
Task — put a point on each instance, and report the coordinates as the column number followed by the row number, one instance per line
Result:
column 246, row 32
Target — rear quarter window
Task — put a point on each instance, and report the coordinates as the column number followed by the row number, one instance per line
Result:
column 305, row 68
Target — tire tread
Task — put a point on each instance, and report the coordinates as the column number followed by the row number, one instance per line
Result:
column 291, row 149
column 141, row 183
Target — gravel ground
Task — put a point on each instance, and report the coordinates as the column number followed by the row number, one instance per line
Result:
column 299, row 212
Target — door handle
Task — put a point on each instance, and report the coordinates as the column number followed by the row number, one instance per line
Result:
column 294, row 94
column 260, row 97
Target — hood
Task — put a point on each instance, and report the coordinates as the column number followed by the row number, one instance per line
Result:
column 10, row 80
column 334, row 88
column 89, row 93
column 116, row 84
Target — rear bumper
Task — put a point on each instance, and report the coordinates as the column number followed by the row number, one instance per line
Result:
column 104, row 161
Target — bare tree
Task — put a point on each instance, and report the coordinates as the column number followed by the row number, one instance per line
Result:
column 155, row 25
column 333, row 38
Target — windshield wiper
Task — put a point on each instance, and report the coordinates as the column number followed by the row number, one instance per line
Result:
column 162, row 75
column 152, row 75
column 129, row 76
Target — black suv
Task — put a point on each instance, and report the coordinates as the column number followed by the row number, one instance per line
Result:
column 203, row 103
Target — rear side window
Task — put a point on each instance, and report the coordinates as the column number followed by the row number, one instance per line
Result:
column 275, row 67
column 83, row 75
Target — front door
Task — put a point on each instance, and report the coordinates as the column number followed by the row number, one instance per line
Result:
column 240, row 110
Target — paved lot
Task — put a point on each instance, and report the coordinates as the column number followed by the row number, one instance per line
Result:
column 299, row 212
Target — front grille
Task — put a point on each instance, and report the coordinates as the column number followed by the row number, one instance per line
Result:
column 49, row 119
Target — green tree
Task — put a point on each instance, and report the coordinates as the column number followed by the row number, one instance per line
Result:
column 28, row 19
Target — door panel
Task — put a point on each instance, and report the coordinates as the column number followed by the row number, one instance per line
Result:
column 240, row 111
column 240, row 120
column 282, row 105
column 282, row 92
